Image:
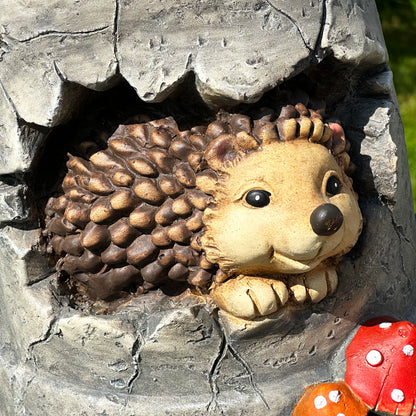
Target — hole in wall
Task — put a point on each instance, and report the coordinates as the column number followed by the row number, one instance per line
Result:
column 329, row 84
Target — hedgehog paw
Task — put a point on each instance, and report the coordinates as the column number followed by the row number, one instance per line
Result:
column 320, row 283
column 250, row 297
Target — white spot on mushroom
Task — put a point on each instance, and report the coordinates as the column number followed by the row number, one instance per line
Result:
column 374, row 358
column 385, row 325
column 334, row 396
column 340, row 414
column 320, row 402
column 397, row 395
column 408, row 350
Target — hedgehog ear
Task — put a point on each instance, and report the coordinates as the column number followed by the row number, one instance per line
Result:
column 222, row 152
column 338, row 142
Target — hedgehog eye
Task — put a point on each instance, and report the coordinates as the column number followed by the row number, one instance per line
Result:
column 258, row 198
column 333, row 186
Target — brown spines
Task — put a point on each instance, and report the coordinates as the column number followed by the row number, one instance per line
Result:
column 185, row 175
column 197, row 161
column 122, row 178
column 204, row 263
column 123, row 200
column 88, row 262
column 265, row 130
column 160, row 237
column 200, row 278
column 78, row 166
column 198, row 199
column 170, row 185
column 179, row 232
column 72, row 245
column 185, row 255
column 139, row 132
column 180, row 149
column 128, row 214
column 195, row 242
column 69, row 182
column 106, row 160
column 114, row 255
column 141, row 251
column 78, row 194
column 101, row 212
column 143, row 166
column 160, row 138
column 154, row 273
column 99, row 184
column 162, row 160
column 143, row 217
column 166, row 258
column 207, row 181
column 59, row 226
column 148, row 191
column 239, row 122
column 182, row 206
column 165, row 215
column 123, row 146
column 95, row 237
column 122, row 233
column 112, row 284
column 194, row 222
column 215, row 129
column 56, row 243
column 178, row 272
column 77, row 214
column 57, row 205
column 198, row 141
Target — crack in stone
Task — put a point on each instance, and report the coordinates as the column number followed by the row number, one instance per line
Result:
column 402, row 238
column 46, row 336
column 320, row 36
column 135, row 353
column 215, row 368
column 292, row 20
column 115, row 30
column 20, row 400
column 60, row 74
column 249, row 372
column 46, row 33
column 9, row 100
column 224, row 348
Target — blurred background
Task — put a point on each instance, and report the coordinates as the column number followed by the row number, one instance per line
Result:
column 398, row 19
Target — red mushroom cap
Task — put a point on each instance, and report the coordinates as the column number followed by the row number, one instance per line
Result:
column 381, row 365
column 330, row 399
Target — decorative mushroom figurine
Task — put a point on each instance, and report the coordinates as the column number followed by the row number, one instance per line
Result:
column 330, row 399
column 381, row 365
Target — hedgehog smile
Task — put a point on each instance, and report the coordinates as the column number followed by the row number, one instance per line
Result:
column 289, row 265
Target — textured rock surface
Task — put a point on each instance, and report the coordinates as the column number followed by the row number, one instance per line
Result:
column 160, row 355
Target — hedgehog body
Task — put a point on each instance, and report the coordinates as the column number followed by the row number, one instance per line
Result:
column 131, row 218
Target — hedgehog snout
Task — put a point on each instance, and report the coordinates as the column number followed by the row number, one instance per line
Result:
column 326, row 219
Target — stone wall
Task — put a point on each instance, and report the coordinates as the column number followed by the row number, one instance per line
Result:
column 162, row 355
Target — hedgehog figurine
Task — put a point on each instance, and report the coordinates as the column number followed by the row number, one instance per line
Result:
column 253, row 213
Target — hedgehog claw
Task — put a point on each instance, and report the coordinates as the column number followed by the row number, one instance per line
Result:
column 320, row 283
column 249, row 297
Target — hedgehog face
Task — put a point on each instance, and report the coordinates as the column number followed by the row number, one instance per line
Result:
column 262, row 220
column 280, row 212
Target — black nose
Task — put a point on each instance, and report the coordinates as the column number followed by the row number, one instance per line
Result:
column 326, row 219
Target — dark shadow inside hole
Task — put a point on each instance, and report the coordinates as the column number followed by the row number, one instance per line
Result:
column 95, row 121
